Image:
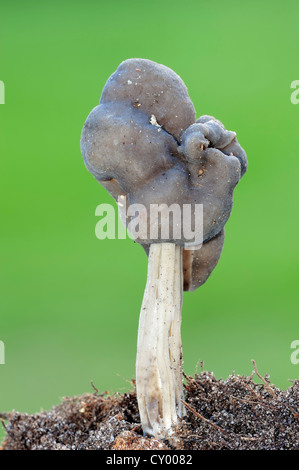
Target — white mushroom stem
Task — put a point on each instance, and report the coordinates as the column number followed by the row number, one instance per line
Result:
column 159, row 352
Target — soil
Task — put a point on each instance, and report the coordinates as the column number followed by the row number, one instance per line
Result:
column 234, row 414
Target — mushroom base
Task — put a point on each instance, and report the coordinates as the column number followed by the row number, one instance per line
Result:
column 159, row 351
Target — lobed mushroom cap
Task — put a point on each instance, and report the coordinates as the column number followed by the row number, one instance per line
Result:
column 142, row 142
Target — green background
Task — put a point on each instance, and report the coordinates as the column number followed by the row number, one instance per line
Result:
column 70, row 302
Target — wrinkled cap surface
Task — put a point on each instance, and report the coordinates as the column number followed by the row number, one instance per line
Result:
column 144, row 144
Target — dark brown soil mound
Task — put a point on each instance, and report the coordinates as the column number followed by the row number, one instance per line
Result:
column 235, row 413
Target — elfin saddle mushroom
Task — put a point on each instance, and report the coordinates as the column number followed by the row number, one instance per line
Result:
column 144, row 145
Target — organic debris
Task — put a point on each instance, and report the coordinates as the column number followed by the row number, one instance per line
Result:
column 236, row 413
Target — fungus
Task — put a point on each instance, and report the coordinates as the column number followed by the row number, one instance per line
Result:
column 144, row 144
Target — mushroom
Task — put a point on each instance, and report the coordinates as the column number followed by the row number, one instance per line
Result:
column 144, row 145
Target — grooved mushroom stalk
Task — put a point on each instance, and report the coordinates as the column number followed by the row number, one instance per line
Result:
column 159, row 350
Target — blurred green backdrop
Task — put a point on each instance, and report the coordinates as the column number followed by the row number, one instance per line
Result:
column 69, row 302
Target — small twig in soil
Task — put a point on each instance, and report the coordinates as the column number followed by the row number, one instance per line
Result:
column 205, row 419
column 253, row 402
column 243, row 438
column 94, row 387
column 295, row 414
column 191, row 381
column 263, row 379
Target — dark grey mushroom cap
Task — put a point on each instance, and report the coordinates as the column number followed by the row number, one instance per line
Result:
column 153, row 89
column 142, row 143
